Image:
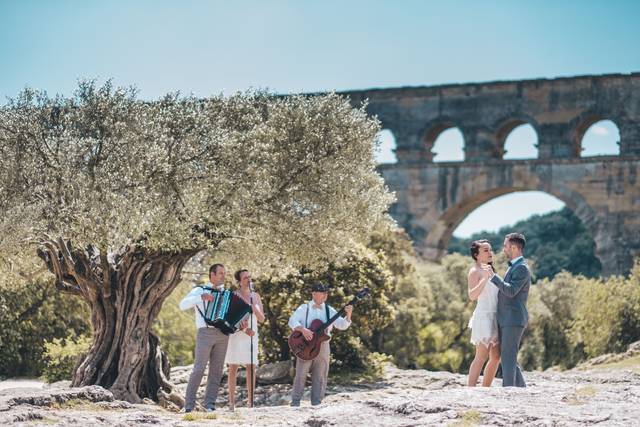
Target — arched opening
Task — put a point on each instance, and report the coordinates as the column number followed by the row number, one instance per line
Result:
column 520, row 141
column 448, row 145
column 556, row 238
column 507, row 210
column 385, row 149
column 601, row 138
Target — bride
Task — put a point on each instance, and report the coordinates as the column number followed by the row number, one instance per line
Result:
column 483, row 322
column 243, row 345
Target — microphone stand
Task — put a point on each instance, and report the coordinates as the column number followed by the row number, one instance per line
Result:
column 251, row 383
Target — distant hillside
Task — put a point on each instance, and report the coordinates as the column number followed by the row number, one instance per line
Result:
column 556, row 241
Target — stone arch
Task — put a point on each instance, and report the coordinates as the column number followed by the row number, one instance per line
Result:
column 434, row 129
column 437, row 240
column 583, row 122
column 504, row 127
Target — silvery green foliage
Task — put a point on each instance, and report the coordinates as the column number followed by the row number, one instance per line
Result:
column 280, row 178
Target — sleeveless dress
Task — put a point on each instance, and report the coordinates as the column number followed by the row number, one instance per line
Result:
column 239, row 347
column 484, row 321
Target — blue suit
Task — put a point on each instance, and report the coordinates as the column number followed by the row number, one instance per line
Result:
column 512, row 318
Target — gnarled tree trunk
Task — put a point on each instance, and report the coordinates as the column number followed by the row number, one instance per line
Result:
column 125, row 291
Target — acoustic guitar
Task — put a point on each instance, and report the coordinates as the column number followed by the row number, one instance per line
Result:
column 308, row 350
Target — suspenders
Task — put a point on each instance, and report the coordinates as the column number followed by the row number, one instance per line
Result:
column 306, row 316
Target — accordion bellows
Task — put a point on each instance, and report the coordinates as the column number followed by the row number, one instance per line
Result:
column 226, row 311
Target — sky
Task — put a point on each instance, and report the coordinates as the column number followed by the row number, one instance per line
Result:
column 212, row 47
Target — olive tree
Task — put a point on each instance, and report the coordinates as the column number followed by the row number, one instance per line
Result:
column 116, row 195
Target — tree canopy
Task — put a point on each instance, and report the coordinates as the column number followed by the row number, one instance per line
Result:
column 105, row 169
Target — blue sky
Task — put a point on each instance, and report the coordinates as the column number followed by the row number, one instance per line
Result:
column 209, row 47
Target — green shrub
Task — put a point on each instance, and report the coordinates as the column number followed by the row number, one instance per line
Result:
column 607, row 317
column 31, row 313
column 61, row 356
column 350, row 349
column 175, row 328
column 552, row 312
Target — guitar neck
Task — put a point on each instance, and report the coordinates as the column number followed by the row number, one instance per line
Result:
column 335, row 316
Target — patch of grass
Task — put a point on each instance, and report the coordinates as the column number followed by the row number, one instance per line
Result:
column 632, row 363
column 468, row 419
column 352, row 378
column 235, row 416
column 573, row 401
column 78, row 404
column 46, row 421
column 588, row 391
column 580, row 396
column 189, row 417
column 196, row 416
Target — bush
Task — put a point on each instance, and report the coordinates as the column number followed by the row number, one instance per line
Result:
column 351, row 349
column 552, row 310
column 607, row 317
column 32, row 313
column 61, row 356
column 175, row 328
column 433, row 310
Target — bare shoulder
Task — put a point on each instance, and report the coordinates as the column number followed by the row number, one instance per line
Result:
column 474, row 276
column 474, row 272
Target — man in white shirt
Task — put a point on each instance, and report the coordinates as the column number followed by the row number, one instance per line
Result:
column 211, row 343
column 300, row 321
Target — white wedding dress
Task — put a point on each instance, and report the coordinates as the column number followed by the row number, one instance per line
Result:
column 483, row 322
column 239, row 347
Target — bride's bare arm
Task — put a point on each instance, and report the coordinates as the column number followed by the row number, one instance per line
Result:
column 476, row 282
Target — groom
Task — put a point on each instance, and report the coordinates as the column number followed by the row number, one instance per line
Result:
column 512, row 307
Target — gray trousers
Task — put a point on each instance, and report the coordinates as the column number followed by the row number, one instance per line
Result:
column 319, row 373
column 510, row 337
column 211, row 347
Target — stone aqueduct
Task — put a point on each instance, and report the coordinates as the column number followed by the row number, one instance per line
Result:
column 433, row 198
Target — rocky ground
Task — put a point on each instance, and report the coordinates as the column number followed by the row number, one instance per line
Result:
column 602, row 394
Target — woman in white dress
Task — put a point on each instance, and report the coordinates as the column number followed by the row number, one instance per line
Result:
column 483, row 322
column 239, row 350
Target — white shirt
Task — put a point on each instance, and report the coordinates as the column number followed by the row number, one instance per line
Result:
column 298, row 317
column 194, row 299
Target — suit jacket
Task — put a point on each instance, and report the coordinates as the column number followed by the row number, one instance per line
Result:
column 512, row 298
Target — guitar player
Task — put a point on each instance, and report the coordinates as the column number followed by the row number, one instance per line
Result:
column 300, row 321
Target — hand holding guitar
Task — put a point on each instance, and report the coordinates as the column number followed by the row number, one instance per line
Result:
column 307, row 333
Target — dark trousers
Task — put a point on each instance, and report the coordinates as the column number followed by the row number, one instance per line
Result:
column 510, row 337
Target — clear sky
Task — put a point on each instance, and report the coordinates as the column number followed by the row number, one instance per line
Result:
column 209, row 47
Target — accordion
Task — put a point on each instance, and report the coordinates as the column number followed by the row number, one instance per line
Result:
column 226, row 310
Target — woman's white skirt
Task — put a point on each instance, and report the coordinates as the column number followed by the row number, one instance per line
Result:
column 239, row 349
column 484, row 328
